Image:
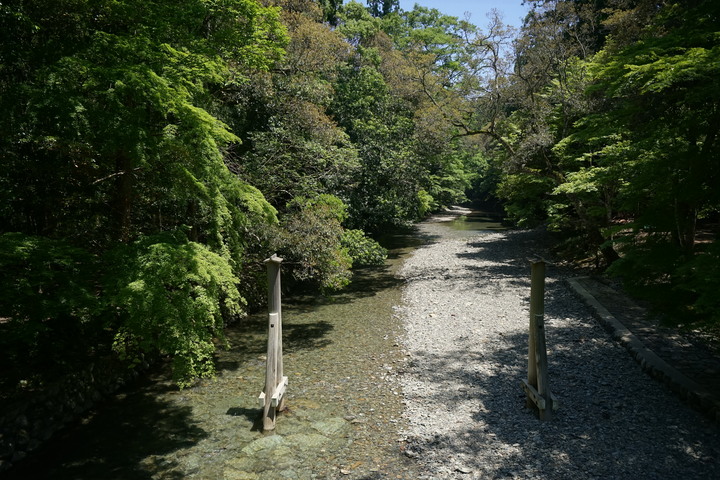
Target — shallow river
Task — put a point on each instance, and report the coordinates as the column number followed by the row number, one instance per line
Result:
column 344, row 415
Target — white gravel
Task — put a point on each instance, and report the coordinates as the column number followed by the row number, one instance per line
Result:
column 466, row 315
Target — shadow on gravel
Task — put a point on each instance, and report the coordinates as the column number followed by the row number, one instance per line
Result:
column 613, row 421
column 618, row 434
column 399, row 241
column 516, row 240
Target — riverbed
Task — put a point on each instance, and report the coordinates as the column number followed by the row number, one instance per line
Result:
column 343, row 357
column 413, row 373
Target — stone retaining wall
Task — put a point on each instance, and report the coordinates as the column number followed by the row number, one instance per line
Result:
column 695, row 395
column 30, row 420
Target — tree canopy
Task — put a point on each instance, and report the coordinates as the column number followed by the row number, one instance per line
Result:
column 155, row 152
column 617, row 136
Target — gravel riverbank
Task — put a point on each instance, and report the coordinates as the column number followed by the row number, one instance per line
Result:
column 413, row 373
column 465, row 309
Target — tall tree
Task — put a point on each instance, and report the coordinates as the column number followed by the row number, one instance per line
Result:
column 664, row 98
column 619, row 146
column 119, row 109
column 381, row 8
column 112, row 134
column 292, row 147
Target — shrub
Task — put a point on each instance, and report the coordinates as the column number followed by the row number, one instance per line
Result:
column 310, row 240
column 172, row 296
column 363, row 251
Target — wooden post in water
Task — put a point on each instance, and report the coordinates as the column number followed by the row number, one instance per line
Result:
column 272, row 397
column 537, row 386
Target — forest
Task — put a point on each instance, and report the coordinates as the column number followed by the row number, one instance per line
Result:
column 154, row 153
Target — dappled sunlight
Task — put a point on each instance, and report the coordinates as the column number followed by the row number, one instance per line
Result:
column 468, row 337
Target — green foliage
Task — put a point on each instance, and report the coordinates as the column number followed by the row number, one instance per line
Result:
column 665, row 89
column 524, row 193
column 481, row 174
column 622, row 130
column 357, row 24
column 330, row 10
column 121, row 110
column 292, row 146
column 126, row 122
column 381, row 8
column 172, row 297
column 443, row 37
column 301, row 153
column 311, row 241
column 48, row 307
column 44, row 279
column 390, row 171
column 647, row 260
column 426, row 203
column 399, row 98
column 114, row 131
column 449, row 180
column 363, row 251
column 699, row 278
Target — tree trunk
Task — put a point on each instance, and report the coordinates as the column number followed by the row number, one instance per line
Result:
column 685, row 226
column 123, row 203
column 606, row 250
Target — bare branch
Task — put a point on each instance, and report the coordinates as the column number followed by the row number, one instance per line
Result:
column 113, row 175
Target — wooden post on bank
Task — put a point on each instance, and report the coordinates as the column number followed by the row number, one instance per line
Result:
column 272, row 397
column 537, row 306
column 537, row 386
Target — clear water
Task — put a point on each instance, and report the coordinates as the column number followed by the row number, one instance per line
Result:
column 475, row 222
column 344, row 401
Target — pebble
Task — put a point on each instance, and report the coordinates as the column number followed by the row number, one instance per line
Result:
column 465, row 310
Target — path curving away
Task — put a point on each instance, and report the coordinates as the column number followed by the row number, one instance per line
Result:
column 465, row 309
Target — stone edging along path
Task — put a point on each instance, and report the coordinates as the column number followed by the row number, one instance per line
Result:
column 696, row 396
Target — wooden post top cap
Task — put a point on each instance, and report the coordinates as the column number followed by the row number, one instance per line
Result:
column 273, row 258
column 538, row 259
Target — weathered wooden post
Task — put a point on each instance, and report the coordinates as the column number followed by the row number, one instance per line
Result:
column 541, row 366
column 537, row 306
column 272, row 397
column 537, row 386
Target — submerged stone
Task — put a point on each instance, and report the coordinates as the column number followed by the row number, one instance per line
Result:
column 331, row 426
column 306, row 441
column 264, row 443
column 232, row 474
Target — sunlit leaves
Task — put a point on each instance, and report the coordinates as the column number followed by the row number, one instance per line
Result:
column 172, row 297
column 113, row 132
column 311, row 239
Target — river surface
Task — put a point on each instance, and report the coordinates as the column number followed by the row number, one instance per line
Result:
column 342, row 357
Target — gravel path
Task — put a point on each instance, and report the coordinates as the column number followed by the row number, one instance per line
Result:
column 465, row 308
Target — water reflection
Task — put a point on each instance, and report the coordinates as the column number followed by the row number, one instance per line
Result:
column 477, row 221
